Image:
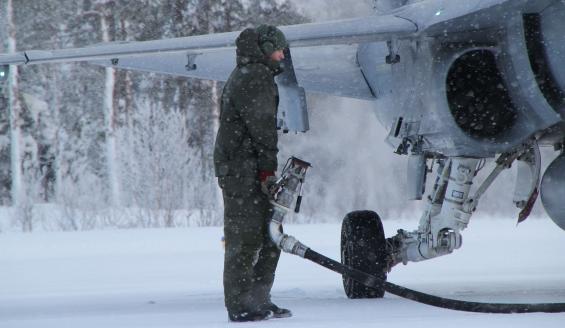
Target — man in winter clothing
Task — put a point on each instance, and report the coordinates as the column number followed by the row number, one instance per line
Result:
column 245, row 158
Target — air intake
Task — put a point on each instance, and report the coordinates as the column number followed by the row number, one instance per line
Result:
column 478, row 97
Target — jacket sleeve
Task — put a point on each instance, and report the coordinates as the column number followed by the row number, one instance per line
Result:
column 259, row 113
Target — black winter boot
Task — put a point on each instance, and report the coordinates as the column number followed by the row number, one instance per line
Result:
column 279, row 312
column 250, row 316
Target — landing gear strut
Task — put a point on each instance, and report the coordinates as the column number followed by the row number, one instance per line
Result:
column 451, row 205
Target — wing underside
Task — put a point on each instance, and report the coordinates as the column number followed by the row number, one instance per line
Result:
column 324, row 69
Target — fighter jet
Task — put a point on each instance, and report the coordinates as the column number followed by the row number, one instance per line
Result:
column 455, row 83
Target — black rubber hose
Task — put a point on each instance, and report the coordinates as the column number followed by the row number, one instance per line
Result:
column 446, row 303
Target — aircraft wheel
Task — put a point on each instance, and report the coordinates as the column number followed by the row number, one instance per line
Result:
column 363, row 248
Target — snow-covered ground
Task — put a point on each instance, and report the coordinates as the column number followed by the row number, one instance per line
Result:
column 172, row 278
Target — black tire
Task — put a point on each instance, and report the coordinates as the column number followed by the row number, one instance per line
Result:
column 363, row 247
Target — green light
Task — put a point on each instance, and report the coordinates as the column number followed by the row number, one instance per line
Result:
column 2, row 74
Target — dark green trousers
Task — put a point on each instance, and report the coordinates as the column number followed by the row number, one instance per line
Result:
column 251, row 257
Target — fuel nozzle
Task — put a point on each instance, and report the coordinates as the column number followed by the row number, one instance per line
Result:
column 284, row 193
column 288, row 188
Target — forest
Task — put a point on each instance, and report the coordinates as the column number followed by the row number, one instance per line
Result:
column 86, row 138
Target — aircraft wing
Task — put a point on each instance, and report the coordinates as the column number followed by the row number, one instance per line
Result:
column 324, row 69
column 372, row 28
column 324, row 59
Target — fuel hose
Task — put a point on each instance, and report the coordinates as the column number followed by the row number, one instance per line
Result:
column 446, row 303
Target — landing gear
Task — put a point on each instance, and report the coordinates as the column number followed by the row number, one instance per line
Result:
column 363, row 247
column 451, row 204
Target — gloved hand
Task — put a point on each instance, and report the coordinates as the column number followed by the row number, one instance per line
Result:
column 268, row 179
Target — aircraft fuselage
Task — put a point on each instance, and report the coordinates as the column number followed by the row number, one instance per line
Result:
column 477, row 85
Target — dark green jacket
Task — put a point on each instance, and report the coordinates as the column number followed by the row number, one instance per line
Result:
column 247, row 138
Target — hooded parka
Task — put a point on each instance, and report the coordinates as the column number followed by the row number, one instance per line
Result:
column 247, row 138
column 246, row 144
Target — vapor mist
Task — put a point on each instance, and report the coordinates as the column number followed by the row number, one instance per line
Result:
column 353, row 168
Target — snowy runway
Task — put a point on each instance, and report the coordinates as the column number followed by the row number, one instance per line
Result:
column 172, row 278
